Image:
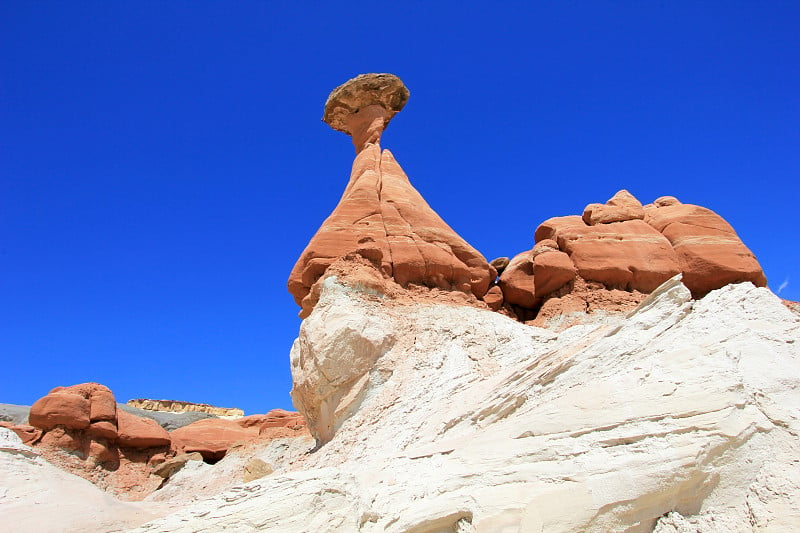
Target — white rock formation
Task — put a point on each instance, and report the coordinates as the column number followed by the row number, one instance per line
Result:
column 37, row 497
column 684, row 416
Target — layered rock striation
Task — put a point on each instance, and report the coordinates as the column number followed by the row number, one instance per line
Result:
column 175, row 406
column 381, row 216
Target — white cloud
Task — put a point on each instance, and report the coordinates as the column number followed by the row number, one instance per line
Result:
column 783, row 285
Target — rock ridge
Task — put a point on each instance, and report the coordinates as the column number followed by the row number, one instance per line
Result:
column 175, row 406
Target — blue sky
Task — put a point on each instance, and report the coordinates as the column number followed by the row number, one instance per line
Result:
column 163, row 164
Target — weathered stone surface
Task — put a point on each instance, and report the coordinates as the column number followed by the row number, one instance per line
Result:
column 709, row 251
column 551, row 271
column 280, row 418
column 500, row 264
column 546, row 245
column 64, row 408
column 621, row 207
column 173, row 464
column 104, row 429
column 175, row 406
column 102, row 405
column 346, row 353
column 16, row 414
column 381, row 208
column 471, row 420
column 211, row 437
column 256, row 469
column 517, row 281
column 380, row 216
column 138, row 432
column 494, row 298
column 629, row 255
column 363, row 106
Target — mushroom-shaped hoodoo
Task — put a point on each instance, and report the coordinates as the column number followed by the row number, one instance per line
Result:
column 363, row 106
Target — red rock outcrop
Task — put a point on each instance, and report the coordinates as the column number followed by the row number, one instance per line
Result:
column 516, row 281
column 213, row 437
column 381, row 216
column 709, row 251
column 138, row 432
column 621, row 207
column 111, row 448
column 628, row 255
column 618, row 251
column 552, row 269
column 80, row 429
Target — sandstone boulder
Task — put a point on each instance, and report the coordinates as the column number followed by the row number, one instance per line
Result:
column 708, row 249
column 173, row 464
column 494, row 298
column 629, row 255
column 60, row 408
column 551, row 271
column 383, row 218
column 500, row 264
column 621, row 207
column 138, row 432
column 363, row 106
column 280, row 418
column 256, row 469
column 517, row 283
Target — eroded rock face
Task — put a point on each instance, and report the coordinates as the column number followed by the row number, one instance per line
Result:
column 628, row 255
column 363, row 106
column 330, row 366
column 382, row 218
column 516, row 281
column 709, row 251
column 472, row 420
column 213, row 437
column 80, row 429
column 621, row 207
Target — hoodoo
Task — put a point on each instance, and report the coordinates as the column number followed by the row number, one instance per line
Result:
column 381, row 217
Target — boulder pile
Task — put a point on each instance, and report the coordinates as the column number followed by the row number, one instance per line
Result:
column 81, row 429
column 624, row 246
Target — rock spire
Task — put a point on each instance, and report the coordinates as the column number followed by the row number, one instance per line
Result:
column 381, row 217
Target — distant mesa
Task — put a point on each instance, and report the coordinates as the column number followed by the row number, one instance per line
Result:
column 175, row 406
column 381, row 218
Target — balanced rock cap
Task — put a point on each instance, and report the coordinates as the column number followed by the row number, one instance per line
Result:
column 363, row 106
